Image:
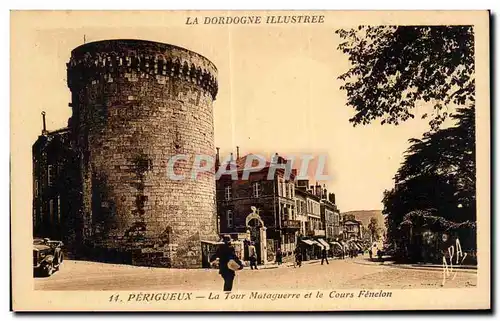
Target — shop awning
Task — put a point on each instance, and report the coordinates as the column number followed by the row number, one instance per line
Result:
column 337, row 244
column 212, row 242
column 355, row 245
column 309, row 242
column 361, row 245
column 325, row 245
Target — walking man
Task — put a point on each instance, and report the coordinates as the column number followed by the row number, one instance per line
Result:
column 226, row 253
column 252, row 253
column 324, row 256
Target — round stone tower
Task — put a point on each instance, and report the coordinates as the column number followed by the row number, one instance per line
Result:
column 135, row 105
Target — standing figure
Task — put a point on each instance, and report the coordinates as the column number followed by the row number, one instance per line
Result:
column 252, row 253
column 279, row 256
column 324, row 256
column 298, row 257
column 226, row 253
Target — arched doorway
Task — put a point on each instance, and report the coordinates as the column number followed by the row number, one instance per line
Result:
column 257, row 233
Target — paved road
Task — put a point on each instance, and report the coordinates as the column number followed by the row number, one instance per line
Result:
column 339, row 274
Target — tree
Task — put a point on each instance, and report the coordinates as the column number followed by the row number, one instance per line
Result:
column 438, row 175
column 394, row 71
column 366, row 237
column 449, row 153
column 395, row 68
column 373, row 229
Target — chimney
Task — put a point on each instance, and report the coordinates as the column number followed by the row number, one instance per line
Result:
column 317, row 190
column 237, row 152
column 217, row 159
column 331, row 197
column 275, row 158
column 302, row 184
column 232, row 158
column 44, row 125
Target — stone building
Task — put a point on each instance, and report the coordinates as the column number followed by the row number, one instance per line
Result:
column 319, row 218
column 352, row 228
column 330, row 216
column 135, row 105
column 314, row 226
column 273, row 200
column 301, row 207
column 310, row 217
column 55, row 177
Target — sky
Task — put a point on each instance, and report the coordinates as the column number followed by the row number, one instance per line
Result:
column 278, row 92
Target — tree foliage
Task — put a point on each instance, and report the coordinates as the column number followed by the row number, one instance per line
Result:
column 425, row 219
column 438, row 175
column 395, row 68
column 449, row 153
column 374, row 229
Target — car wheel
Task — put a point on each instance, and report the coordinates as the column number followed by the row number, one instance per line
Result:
column 48, row 269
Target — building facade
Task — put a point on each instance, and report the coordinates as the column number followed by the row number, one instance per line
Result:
column 352, row 228
column 314, row 226
column 55, row 185
column 273, row 200
column 337, row 226
column 301, row 209
column 319, row 217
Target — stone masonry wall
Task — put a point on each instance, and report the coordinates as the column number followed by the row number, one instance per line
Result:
column 136, row 104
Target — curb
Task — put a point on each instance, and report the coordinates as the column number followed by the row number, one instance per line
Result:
column 437, row 266
column 428, row 267
column 287, row 264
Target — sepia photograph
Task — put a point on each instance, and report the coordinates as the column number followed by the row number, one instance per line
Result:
column 250, row 161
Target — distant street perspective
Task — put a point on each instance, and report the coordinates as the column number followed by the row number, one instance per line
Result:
column 354, row 273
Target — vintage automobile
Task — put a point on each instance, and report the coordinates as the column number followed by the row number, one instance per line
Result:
column 47, row 256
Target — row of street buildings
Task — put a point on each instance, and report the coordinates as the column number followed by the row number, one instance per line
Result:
column 295, row 214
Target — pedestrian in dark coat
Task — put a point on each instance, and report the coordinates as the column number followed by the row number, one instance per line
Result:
column 226, row 253
column 324, row 256
column 279, row 257
column 298, row 256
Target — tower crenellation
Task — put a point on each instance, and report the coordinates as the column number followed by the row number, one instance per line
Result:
column 103, row 60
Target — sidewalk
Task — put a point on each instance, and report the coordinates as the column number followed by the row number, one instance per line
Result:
column 440, row 266
column 274, row 265
column 421, row 266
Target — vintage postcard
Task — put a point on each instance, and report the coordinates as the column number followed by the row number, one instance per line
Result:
column 250, row 161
